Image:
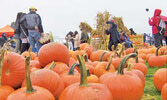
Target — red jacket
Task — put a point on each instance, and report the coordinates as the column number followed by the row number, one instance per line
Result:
column 154, row 21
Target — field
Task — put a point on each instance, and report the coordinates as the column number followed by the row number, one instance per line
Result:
column 150, row 92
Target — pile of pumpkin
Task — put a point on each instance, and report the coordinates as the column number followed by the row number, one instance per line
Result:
column 59, row 74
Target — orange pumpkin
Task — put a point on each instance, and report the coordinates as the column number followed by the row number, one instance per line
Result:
column 157, row 61
column 35, row 63
column 13, row 71
column 27, row 54
column 160, row 78
column 104, row 67
column 85, row 91
column 29, row 92
column 53, row 52
column 98, row 54
column 83, row 45
column 5, row 91
column 72, row 75
column 92, row 78
column 58, row 68
column 122, row 85
column 47, row 79
column 140, row 66
column 129, row 50
column 78, row 52
column 89, row 50
column 164, row 92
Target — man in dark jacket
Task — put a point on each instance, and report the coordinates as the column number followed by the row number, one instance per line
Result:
column 114, row 35
column 154, row 22
column 34, row 26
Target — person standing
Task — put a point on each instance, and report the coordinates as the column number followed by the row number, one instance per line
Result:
column 34, row 26
column 114, row 35
column 165, row 34
column 154, row 22
column 69, row 40
column 17, row 33
column 76, row 40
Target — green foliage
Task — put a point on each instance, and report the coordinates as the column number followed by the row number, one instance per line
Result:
column 150, row 92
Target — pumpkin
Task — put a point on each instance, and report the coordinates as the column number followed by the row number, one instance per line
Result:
column 123, row 86
column 83, row 45
column 35, row 63
column 92, row 78
column 71, row 61
column 100, row 54
column 53, row 51
column 164, row 92
column 129, row 50
column 85, row 91
column 4, row 90
column 72, row 75
column 137, row 72
column 116, row 60
column 29, row 92
column 143, row 56
column 104, row 67
column 89, row 50
column 139, row 66
column 78, row 52
column 157, row 61
column 59, row 67
column 160, row 78
column 13, row 71
column 27, row 54
column 47, row 79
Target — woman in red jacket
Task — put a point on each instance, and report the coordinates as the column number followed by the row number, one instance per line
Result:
column 154, row 22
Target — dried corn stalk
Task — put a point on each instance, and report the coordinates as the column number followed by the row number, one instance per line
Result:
column 101, row 19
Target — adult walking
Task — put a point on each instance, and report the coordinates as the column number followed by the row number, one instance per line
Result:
column 34, row 26
column 114, row 35
column 154, row 22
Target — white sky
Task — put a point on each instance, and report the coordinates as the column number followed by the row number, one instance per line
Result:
column 62, row 16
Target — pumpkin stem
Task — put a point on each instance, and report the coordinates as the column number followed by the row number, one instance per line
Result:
column 122, row 49
column 157, row 50
column 137, row 58
column 109, row 63
column 29, row 51
column 2, row 53
column 71, row 71
column 123, row 62
column 53, row 64
column 85, row 57
column 82, row 67
column 28, row 80
column 101, row 57
column 129, row 67
column 88, row 73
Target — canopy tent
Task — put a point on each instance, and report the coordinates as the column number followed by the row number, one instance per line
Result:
column 8, row 30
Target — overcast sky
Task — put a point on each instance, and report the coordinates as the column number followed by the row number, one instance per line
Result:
column 62, row 16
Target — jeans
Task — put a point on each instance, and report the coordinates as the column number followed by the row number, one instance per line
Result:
column 34, row 41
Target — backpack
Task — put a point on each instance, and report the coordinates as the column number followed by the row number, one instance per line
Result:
column 161, row 26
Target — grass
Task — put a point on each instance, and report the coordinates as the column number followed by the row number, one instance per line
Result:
column 150, row 92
